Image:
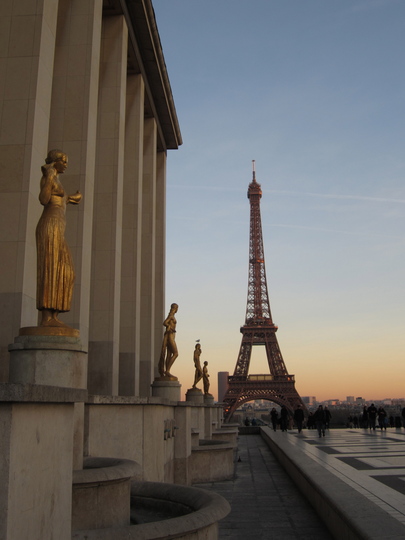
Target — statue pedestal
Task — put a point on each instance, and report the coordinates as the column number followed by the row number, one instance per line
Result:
column 51, row 360
column 208, row 399
column 195, row 395
column 165, row 388
column 49, row 357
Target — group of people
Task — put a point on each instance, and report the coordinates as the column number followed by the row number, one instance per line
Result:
column 319, row 420
column 373, row 417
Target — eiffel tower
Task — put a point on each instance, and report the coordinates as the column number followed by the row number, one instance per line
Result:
column 277, row 386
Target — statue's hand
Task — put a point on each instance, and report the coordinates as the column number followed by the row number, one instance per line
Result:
column 76, row 198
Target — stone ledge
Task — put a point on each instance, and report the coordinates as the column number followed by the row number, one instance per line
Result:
column 209, row 445
column 98, row 469
column 98, row 399
column 42, row 342
column 36, row 393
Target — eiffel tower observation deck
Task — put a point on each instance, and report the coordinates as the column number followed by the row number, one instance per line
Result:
column 278, row 385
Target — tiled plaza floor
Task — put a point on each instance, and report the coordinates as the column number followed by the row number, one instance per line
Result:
column 371, row 462
column 265, row 503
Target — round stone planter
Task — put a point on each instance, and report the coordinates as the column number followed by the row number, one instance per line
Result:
column 184, row 512
column 101, row 493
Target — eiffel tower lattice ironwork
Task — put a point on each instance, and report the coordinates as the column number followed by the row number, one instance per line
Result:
column 259, row 329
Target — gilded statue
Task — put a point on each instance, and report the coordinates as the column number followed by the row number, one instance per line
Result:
column 55, row 271
column 197, row 364
column 206, row 380
column 169, row 348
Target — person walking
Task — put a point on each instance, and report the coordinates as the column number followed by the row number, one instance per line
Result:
column 274, row 418
column 364, row 418
column 320, row 420
column 372, row 415
column 299, row 417
column 328, row 417
column 284, row 418
column 382, row 418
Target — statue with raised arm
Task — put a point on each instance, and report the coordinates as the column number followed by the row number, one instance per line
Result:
column 197, row 364
column 206, row 380
column 55, row 271
column 169, row 348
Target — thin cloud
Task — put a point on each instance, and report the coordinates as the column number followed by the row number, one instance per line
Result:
column 334, row 231
column 371, row 4
column 245, row 223
column 334, row 196
column 293, row 193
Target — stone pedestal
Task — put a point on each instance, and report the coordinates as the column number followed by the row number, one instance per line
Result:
column 208, row 399
column 166, row 389
column 195, row 395
column 52, row 360
column 48, row 360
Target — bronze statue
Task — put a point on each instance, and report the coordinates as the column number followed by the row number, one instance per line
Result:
column 169, row 348
column 55, row 271
column 206, row 380
column 198, row 371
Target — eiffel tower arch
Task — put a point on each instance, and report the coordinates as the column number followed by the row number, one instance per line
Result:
column 259, row 330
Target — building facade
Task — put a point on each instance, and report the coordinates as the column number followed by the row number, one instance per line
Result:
column 88, row 77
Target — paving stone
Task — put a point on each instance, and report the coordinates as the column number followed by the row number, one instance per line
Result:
column 261, row 497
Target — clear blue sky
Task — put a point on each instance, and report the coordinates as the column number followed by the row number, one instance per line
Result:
column 314, row 91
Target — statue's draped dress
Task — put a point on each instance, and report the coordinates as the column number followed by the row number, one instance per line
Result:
column 55, row 277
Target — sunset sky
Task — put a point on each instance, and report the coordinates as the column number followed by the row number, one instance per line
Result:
column 314, row 91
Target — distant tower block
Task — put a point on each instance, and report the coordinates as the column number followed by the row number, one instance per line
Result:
column 222, row 384
column 277, row 386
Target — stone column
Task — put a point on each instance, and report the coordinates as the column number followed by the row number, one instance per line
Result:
column 73, row 129
column 27, row 45
column 130, row 336
column 107, row 224
column 160, row 256
column 148, row 261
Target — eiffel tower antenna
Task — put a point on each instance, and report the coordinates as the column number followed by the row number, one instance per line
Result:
column 278, row 385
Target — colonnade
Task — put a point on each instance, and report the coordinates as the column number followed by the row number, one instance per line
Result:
column 66, row 83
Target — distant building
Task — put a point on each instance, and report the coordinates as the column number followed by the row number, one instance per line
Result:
column 222, row 384
column 309, row 400
column 360, row 401
column 350, row 399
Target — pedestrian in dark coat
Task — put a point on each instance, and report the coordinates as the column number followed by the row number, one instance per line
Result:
column 328, row 416
column 372, row 415
column 320, row 420
column 284, row 418
column 274, row 418
column 299, row 417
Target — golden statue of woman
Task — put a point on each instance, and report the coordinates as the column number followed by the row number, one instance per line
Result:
column 169, row 348
column 55, row 271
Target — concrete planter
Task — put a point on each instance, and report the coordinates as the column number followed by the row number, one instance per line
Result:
column 101, row 493
column 212, row 461
column 197, row 514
